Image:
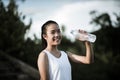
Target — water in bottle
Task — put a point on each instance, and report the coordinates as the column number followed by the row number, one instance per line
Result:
column 84, row 36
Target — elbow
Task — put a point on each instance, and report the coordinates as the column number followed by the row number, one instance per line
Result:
column 43, row 79
column 89, row 61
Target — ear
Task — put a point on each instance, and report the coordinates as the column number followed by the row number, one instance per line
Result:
column 44, row 36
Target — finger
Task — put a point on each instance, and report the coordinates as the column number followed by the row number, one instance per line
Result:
column 81, row 31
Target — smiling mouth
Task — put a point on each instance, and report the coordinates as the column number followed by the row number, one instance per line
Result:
column 57, row 39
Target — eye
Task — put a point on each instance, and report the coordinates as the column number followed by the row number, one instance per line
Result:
column 58, row 31
column 53, row 32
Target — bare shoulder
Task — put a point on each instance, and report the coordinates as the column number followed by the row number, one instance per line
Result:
column 43, row 65
column 42, row 54
column 68, row 53
column 42, row 57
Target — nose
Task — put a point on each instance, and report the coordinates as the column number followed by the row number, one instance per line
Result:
column 57, row 34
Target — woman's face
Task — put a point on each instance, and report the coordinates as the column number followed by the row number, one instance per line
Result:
column 53, row 34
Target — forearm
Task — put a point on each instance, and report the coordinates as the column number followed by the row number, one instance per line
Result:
column 89, row 52
column 83, row 59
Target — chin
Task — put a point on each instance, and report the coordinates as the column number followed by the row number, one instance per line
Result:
column 57, row 43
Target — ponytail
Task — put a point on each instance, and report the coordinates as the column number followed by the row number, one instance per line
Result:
column 44, row 43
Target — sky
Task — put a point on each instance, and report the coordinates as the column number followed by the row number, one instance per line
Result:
column 74, row 14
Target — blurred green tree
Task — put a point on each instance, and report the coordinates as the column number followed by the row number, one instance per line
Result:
column 12, row 34
column 12, row 28
column 107, row 49
column 108, row 35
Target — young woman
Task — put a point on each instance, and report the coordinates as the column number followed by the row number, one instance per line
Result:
column 53, row 64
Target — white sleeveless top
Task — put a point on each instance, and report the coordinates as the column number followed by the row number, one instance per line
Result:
column 59, row 68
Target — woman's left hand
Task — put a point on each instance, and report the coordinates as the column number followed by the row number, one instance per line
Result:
column 83, row 36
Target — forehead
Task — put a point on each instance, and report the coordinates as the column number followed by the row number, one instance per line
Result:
column 52, row 27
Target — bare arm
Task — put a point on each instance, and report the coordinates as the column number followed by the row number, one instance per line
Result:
column 83, row 59
column 43, row 66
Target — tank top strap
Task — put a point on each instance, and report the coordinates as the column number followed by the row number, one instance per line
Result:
column 63, row 54
column 47, row 52
column 50, row 55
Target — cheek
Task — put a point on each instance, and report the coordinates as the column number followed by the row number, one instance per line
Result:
column 60, row 37
column 50, row 37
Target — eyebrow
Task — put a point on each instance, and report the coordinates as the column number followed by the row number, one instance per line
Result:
column 54, row 29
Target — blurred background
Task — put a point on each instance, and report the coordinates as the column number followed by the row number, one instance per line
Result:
column 20, row 40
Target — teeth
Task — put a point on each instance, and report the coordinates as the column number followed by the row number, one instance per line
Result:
column 56, row 38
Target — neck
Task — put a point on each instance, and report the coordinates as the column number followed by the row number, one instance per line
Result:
column 51, row 48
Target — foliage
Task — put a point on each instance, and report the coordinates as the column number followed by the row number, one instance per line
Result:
column 12, row 28
column 107, row 36
column 12, row 34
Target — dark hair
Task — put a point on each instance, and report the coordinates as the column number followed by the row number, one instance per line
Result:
column 43, row 31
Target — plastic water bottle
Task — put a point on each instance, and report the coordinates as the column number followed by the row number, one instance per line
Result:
column 83, row 36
